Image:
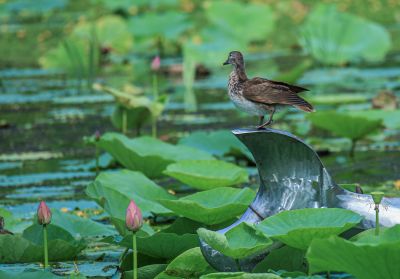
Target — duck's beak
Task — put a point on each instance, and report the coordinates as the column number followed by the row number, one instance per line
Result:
column 226, row 62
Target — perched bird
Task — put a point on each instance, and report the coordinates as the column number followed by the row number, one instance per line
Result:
column 258, row 96
column 2, row 229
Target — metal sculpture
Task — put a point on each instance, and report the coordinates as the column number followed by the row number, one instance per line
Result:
column 292, row 176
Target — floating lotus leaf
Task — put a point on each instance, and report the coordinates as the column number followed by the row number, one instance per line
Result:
column 114, row 190
column 363, row 259
column 29, row 246
column 207, row 174
column 80, row 227
column 239, row 242
column 345, row 125
column 148, row 155
column 218, row 143
column 391, row 119
column 29, row 274
column 190, row 264
column 297, row 228
column 244, row 22
column 162, row 245
column 334, row 37
column 212, row 206
column 240, row 275
column 147, row 272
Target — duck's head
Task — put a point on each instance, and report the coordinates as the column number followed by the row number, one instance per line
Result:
column 235, row 58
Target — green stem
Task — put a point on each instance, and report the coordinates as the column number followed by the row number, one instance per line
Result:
column 353, row 148
column 376, row 219
column 238, row 265
column 155, row 99
column 134, row 252
column 97, row 161
column 124, row 121
column 46, row 255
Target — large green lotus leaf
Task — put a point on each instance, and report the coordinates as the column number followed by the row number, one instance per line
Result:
column 29, row 274
column 162, row 245
column 245, row 22
column 218, row 143
column 147, row 272
column 297, row 228
column 207, row 174
column 239, row 242
column 212, row 206
column 148, row 155
column 284, row 258
column 334, row 37
column 240, row 275
column 360, row 260
column 345, row 125
column 114, row 190
column 168, row 24
column 34, row 233
column 386, row 235
column 79, row 227
column 190, row 264
column 17, row 249
column 391, row 119
column 111, row 31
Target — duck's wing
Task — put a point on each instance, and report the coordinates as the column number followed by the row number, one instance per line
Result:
column 273, row 93
column 294, row 88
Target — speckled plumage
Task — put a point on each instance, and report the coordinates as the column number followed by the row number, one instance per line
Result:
column 258, row 96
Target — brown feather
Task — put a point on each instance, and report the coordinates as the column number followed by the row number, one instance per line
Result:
column 270, row 93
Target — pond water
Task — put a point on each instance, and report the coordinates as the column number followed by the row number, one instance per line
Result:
column 44, row 118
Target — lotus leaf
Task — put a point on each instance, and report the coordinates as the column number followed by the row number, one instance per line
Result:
column 362, row 260
column 162, row 245
column 240, row 275
column 114, row 190
column 168, row 25
column 391, row 119
column 239, row 242
column 386, row 235
column 148, row 155
column 297, row 228
column 218, row 143
column 29, row 246
column 212, row 206
column 147, row 272
column 284, row 258
column 245, row 22
column 345, row 125
column 80, row 227
column 207, row 174
column 189, row 264
column 29, row 274
column 334, row 37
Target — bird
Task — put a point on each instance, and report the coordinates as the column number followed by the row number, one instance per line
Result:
column 259, row 96
column 2, row 229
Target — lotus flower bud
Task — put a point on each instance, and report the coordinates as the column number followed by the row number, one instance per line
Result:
column 155, row 64
column 134, row 219
column 97, row 135
column 43, row 214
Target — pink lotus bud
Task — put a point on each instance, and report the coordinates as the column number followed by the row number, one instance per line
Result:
column 155, row 64
column 134, row 219
column 43, row 214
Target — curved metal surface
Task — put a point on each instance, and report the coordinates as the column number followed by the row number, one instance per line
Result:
column 291, row 177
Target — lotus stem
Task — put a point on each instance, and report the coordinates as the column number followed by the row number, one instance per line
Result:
column 97, row 161
column 155, row 99
column 134, row 252
column 46, row 255
column 376, row 219
column 124, row 121
column 352, row 148
column 238, row 265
